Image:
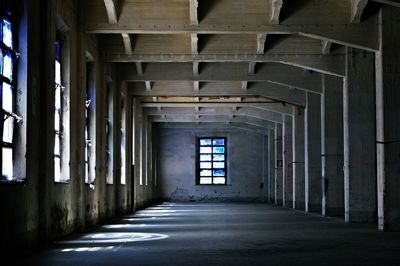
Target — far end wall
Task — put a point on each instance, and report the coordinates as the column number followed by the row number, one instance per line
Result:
column 177, row 165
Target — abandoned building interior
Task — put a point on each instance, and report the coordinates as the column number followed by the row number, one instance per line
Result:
column 231, row 131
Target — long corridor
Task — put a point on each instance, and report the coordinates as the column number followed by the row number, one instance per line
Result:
column 224, row 234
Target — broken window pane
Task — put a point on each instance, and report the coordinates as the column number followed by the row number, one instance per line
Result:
column 57, row 169
column 218, row 142
column 205, row 149
column 205, row 181
column 205, row 142
column 219, row 172
column 205, row 165
column 218, row 149
column 8, row 129
column 7, row 33
column 219, row 165
column 205, row 173
column 219, row 181
column 205, row 157
column 7, row 66
column 7, row 168
column 218, row 157
column 7, row 98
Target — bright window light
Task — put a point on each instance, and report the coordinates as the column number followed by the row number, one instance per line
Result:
column 7, row 98
column 7, row 33
column 7, row 66
column 8, row 129
column 211, row 161
column 7, row 168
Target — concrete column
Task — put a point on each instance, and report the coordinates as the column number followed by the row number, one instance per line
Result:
column 388, row 120
column 266, row 181
column 298, row 158
column 287, row 162
column 312, row 144
column 271, row 166
column 359, row 137
column 278, row 165
column 332, row 147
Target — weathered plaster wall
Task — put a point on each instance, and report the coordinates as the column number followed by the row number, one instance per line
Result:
column 38, row 210
column 177, row 171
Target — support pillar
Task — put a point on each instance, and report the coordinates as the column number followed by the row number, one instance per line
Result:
column 298, row 158
column 312, row 144
column 332, row 146
column 278, row 165
column 359, row 137
column 388, row 120
column 271, row 166
column 287, row 162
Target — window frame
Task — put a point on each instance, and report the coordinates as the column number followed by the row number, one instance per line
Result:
column 14, row 54
column 90, row 122
column 198, row 169
column 59, row 133
column 88, row 139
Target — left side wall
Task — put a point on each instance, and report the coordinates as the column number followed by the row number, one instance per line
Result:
column 39, row 210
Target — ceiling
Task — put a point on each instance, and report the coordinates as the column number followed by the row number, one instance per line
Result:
column 247, row 63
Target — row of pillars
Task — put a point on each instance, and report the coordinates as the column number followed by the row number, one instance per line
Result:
column 340, row 156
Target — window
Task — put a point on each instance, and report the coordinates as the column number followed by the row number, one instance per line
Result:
column 8, row 57
column 123, row 150
column 211, row 161
column 87, row 138
column 109, row 134
column 89, row 122
column 58, row 113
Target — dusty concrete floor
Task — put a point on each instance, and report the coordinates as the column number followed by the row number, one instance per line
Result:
column 225, row 234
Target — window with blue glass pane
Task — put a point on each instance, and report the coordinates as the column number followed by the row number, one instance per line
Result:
column 211, row 161
column 7, row 59
column 7, row 33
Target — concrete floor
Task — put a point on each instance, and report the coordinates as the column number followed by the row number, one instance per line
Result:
column 224, row 234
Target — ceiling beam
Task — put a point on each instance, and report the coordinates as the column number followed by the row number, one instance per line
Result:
column 148, row 85
column 357, row 9
column 194, row 40
column 274, row 73
column 261, row 37
column 243, row 111
column 111, row 8
column 332, row 64
column 193, row 6
column 127, row 43
column 213, row 119
column 274, row 92
column 276, row 6
column 210, row 125
column 252, row 68
column 244, row 85
column 197, row 106
column 319, row 26
column 326, row 47
column 196, row 85
column 139, row 68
